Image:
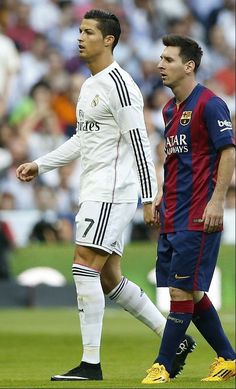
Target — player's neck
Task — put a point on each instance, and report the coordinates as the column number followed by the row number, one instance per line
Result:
column 183, row 90
column 100, row 63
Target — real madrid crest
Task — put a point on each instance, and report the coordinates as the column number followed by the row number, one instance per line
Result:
column 185, row 118
column 95, row 101
column 81, row 115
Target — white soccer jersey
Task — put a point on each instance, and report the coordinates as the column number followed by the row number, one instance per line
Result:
column 110, row 140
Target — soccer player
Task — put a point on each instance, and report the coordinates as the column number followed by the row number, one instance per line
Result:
column 189, row 209
column 112, row 144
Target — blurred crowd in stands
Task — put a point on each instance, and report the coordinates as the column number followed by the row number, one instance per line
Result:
column 41, row 75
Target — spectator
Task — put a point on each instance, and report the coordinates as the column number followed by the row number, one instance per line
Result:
column 41, row 129
column 64, row 227
column 225, row 17
column 203, row 9
column 157, row 144
column 34, row 65
column 156, row 101
column 14, row 193
column 44, row 231
column 218, row 49
column 6, row 246
column 64, row 35
column 7, row 201
column 67, row 189
column 5, row 160
column 57, row 76
column 20, row 30
column 226, row 74
column 64, row 102
column 44, row 15
column 126, row 54
column 9, row 66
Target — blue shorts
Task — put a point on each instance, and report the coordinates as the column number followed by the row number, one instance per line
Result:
column 187, row 259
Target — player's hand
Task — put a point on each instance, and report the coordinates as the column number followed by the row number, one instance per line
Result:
column 213, row 216
column 156, row 208
column 148, row 214
column 27, row 171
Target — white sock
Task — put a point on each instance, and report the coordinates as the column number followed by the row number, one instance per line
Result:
column 133, row 299
column 91, row 304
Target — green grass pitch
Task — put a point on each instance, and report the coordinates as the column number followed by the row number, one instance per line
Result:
column 38, row 343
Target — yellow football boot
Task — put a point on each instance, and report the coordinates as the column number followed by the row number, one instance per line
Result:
column 157, row 374
column 221, row 370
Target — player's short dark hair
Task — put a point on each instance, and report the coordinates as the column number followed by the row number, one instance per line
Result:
column 189, row 49
column 108, row 23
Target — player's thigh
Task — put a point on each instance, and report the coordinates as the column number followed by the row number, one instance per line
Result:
column 90, row 257
column 100, row 225
column 193, row 259
column 163, row 263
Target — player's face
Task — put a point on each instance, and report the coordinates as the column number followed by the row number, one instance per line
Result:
column 171, row 67
column 91, row 41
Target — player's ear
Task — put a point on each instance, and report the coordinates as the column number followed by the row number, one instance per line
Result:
column 108, row 40
column 190, row 66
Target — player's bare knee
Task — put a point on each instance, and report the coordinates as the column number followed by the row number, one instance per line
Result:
column 109, row 281
column 180, row 294
column 90, row 257
column 107, row 285
column 83, row 254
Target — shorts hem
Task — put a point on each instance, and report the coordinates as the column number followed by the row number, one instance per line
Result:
column 107, row 250
column 183, row 286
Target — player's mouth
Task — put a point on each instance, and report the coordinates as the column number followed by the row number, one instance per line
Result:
column 81, row 48
column 163, row 76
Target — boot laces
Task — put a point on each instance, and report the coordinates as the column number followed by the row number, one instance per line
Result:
column 216, row 362
column 154, row 370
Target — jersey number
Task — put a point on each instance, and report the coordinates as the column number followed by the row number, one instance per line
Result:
column 91, row 223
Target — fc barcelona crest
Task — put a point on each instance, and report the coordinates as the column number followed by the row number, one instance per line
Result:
column 185, row 118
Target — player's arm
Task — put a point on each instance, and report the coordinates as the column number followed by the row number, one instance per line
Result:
column 61, row 156
column 138, row 140
column 130, row 120
column 214, row 211
column 217, row 117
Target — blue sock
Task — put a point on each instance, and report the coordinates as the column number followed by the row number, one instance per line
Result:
column 177, row 323
column 208, row 323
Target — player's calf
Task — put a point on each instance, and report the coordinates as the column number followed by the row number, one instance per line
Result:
column 185, row 348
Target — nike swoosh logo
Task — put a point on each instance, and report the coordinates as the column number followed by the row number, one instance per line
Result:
column 180, row 277
column 167, row 124
column 225, row 129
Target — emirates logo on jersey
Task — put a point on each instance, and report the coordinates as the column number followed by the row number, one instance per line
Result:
column 86, row 125
column 95, row 101
column 185, row 118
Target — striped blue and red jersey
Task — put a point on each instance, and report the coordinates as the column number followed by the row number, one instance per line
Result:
column 194, row 133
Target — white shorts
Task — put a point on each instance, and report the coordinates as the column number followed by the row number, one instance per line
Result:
column 101, row 225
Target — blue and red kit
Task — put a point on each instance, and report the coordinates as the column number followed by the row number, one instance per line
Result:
column 194, row 133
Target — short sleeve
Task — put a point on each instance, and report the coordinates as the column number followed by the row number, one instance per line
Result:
column 219, row 125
